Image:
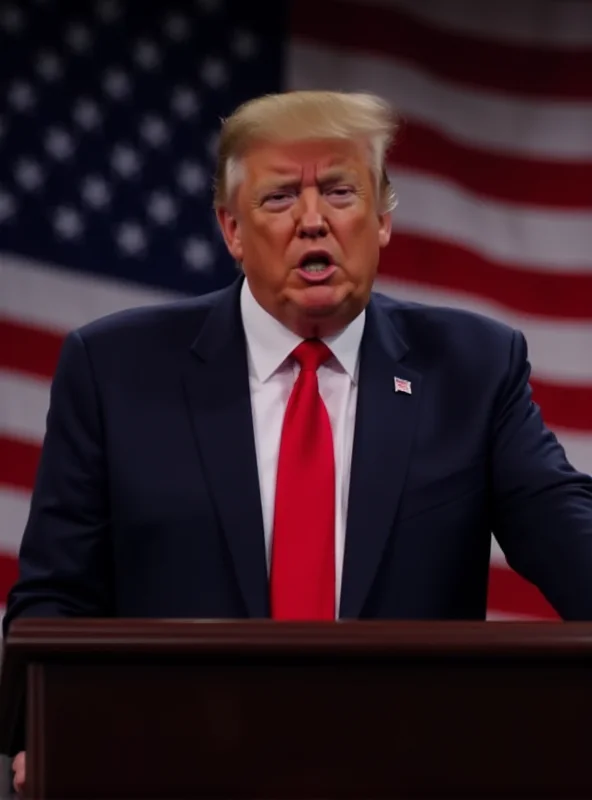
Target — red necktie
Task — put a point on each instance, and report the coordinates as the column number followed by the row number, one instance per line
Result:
column 303, row 546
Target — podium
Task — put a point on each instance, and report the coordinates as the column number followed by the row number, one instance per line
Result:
column 259, row 709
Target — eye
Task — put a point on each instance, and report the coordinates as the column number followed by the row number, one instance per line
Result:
column 340, row 192
column 277, row 198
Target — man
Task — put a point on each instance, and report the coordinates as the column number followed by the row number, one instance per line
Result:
column 296, row 446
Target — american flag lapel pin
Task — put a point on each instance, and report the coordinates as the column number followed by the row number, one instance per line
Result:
column 402, row 385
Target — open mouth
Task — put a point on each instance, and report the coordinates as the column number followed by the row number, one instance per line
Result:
column 316, row 267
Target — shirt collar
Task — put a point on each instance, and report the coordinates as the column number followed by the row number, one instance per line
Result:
column 270, row 343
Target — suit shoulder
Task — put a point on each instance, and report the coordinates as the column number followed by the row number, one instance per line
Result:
column 446, row 321
column 184, row 314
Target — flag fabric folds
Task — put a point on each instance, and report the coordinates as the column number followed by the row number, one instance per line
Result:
column 107, row 142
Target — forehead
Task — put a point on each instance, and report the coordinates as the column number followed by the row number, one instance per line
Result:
column 308, row 157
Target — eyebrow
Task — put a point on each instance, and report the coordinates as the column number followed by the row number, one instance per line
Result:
column 290, row 180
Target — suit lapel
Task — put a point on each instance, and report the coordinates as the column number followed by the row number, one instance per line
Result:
column 217, row 390
column 384, row 432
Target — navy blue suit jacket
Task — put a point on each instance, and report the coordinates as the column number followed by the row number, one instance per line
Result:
column 147, row 498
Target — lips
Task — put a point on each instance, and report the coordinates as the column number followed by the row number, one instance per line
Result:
column 316, row 257
column 317, row 277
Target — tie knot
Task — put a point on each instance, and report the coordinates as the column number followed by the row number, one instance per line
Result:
column 311, row 353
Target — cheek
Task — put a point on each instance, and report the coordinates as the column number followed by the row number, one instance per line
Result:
column 266, row 246
column 275, row 235
column 361, row 248
column 360, row 236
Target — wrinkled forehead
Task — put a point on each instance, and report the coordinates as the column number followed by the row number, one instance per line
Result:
column 306, row 160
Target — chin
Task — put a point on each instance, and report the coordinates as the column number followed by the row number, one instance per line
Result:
column 312, row 311
column 323, row 295
column 318, row 320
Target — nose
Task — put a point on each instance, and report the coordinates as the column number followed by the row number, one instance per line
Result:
column 310, row 220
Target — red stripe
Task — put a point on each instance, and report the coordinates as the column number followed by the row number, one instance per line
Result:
column 466, row 59
column 434, row 262
column 533, row 182
column 18, row 462
column 8, row 575
column 511, row 594
column 564, row 406
column 25, row 348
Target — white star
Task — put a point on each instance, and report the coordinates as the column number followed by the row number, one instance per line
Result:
column 21, row 96
column 28, row 174
column 162, row 208
column 198, row 254
column 177, row 28
column 86, row 114
column 78, row 38
column 209, row 6
column 117, row 84
column 154, row 130
column 7, row 206
column 49, row 66
column 108, row 11
column 191, row 177
column 11, row 19
column 95, row 192
column 184, row 102
column 244, row 44
column 214, row 73
column 131, row 238
column 68, row 223
column 125, row 161
column 59, row 144
column 147, row 55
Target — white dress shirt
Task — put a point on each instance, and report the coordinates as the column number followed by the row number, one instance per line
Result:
column 271, row 378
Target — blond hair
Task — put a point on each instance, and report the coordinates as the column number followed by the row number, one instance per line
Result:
column 306, row 115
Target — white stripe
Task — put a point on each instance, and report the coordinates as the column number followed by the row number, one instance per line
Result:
column 530, row 22
column 518, row 235
column 61, row 299
column 14, row 511
column 498, row 558
column 24, row 401
column 518, row 125
column 559, row 351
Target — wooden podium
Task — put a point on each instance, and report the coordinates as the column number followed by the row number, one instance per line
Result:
column 256, row 709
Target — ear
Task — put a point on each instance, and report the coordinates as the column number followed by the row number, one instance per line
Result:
column 230, row 227
column 385, row 227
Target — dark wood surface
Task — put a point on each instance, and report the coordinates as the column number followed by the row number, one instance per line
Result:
column 175, row 709
column 28, row 636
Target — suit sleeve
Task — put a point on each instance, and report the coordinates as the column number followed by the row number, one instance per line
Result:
column 65, row 564
column 542, row 506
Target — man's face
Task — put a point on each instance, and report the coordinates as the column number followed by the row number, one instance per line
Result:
column 306, row 227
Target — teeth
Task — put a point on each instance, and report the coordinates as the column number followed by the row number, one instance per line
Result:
column 315, row 266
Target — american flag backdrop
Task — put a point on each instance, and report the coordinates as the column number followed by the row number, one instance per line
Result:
column 108, row 118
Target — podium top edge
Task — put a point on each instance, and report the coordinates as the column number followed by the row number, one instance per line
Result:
column 267, row 636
